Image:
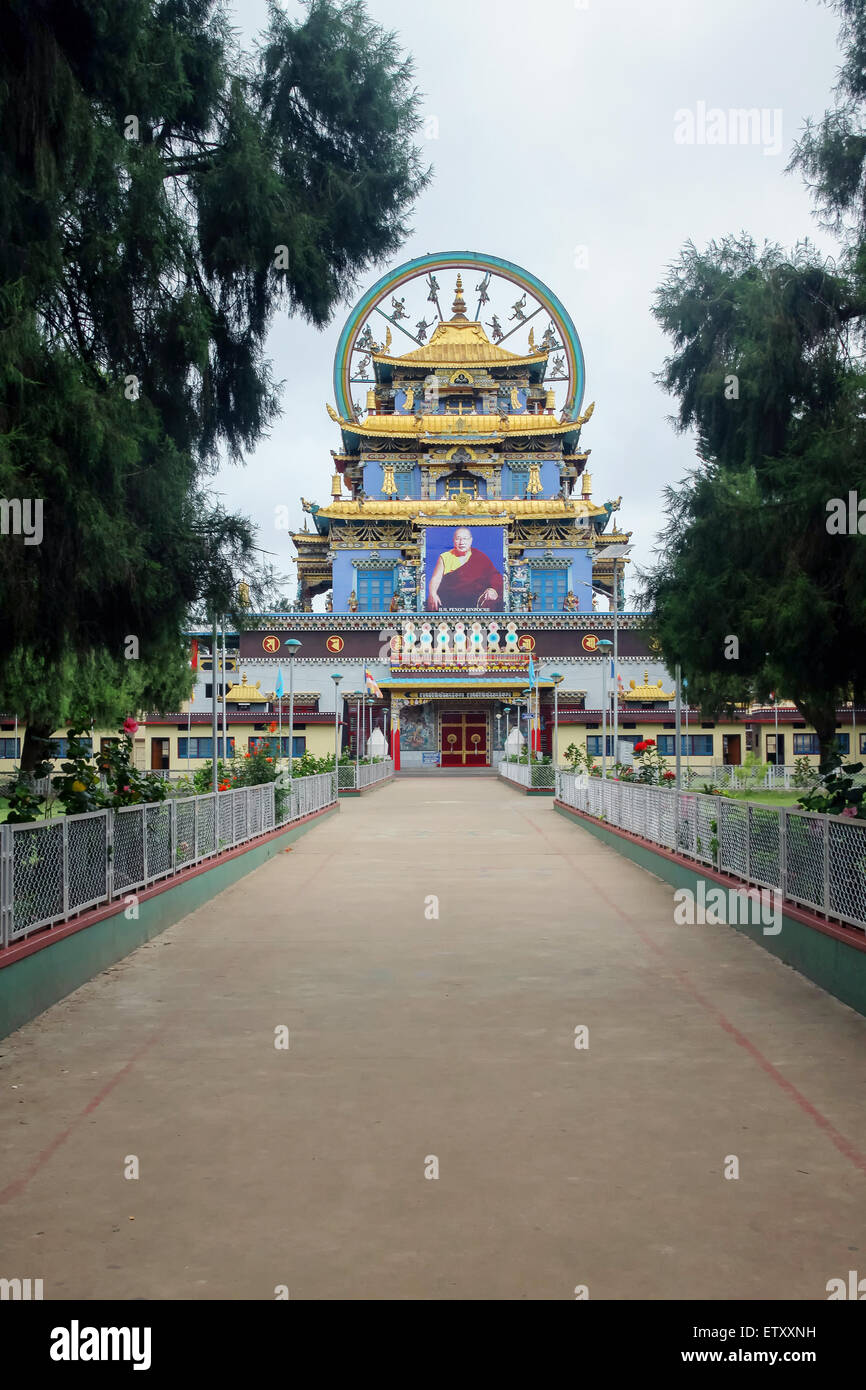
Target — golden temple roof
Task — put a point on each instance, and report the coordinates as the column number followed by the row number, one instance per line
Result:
column 646, row 691
column 246, row 694
column 456, row 343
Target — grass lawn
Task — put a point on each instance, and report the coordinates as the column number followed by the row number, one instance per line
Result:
column 4, row 807
column 767, row 797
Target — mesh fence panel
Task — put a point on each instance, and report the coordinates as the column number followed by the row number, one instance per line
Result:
column 87, row 859
column 847, row 856
column 206, row 825
column 225, row 802
column 158, row 822
column 667, row 819
column 256, row 816
column 36, row 877
column 687, row 816
column 764, row 846
column 733, row 837
column 185, row 828
column 706, row 828
column 542, row 774
column 804, row 853
column 239, row 808
column 129, row 848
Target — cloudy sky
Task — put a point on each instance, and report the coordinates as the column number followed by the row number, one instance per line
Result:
column 556, row 149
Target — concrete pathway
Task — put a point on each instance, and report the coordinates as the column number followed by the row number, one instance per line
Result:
column 415, row 1037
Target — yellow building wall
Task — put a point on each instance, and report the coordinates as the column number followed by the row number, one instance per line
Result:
column 578, row 733
column 319, row 743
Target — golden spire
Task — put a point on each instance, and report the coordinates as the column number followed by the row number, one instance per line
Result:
column 458, row 308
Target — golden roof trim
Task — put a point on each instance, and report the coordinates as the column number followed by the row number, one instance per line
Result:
column 645, row 691
column 491, row 426
column 460, row 505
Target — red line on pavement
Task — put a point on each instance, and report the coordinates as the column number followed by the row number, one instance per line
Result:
column 14, row 1189
column 844, row 1145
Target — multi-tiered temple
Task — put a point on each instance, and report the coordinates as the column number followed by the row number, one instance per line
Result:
column 460, row 433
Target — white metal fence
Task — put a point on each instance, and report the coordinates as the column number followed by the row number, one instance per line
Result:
column 354, row 777
column 54, row 868
column 528, row 774
column 816, row 860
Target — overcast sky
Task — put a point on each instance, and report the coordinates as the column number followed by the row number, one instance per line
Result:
column 556, row 150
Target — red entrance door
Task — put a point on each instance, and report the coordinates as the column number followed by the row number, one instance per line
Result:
column 463, row 740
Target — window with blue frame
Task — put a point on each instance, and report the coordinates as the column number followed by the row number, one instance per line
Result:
column 299, row 744
column 551, row 587
column 515, row 481
column 202, row 747
column 375, row 590
column 691, row 745
column 805, row 744
column 593, row 743
column 844, row 743
column 407, row 484
column 10, row 748
column 63, row 743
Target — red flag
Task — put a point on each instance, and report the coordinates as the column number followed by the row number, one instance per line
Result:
column 193, row 654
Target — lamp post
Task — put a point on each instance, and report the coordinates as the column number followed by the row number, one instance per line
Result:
column 292, row 645
column 527, row 695
column 607, row 647
column 498, row 728
column 557, row 679
column 677, row 721
column 359, row 696
column 336, row 677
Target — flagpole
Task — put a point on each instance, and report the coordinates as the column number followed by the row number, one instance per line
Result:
column 280, row 715
column 224, row 683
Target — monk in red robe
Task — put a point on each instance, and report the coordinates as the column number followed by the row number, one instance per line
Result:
column 464, row 578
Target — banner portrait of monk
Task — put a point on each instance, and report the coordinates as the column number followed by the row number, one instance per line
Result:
column 464, row 578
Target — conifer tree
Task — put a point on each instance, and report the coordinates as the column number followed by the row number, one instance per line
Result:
column 767, row 369
column 162, row 196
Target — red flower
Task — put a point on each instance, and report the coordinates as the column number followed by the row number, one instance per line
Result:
column 130, row 725
column 668, row 776
column 272, row 728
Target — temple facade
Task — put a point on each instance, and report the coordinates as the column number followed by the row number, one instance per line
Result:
column 460, row 550
column 456, row 559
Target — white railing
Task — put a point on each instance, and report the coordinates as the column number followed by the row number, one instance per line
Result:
column 51, row 869
column 816, row 860
column 528, row 774
column 353, row 777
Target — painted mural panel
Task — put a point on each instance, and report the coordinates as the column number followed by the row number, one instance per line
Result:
column 418, row 728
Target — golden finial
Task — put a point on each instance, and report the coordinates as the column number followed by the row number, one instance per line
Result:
column 458, row 308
